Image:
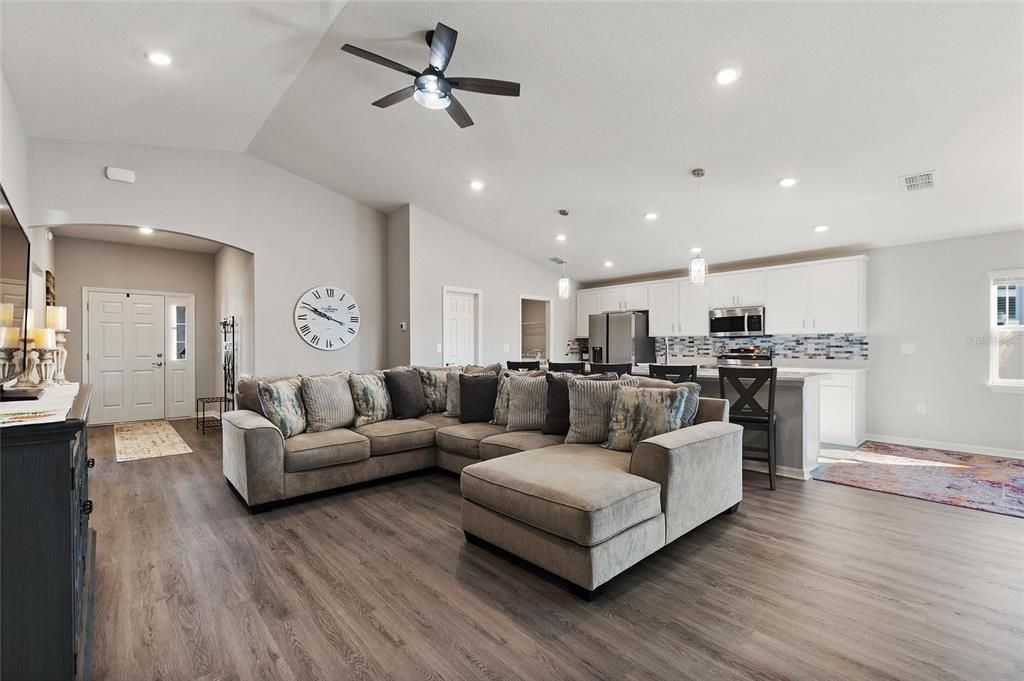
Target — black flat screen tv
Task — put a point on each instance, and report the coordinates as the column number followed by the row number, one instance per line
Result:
column 14, row 293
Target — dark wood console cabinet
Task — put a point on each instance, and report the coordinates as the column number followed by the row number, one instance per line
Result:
column 47, row 550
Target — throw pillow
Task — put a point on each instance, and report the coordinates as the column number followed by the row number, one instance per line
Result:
column 435, row 386
column 282, row 405
column 501, row 404
column 640, row 413
column 452, row 399
column 527, row 402
column 477, row 394
column 590, row 407
column 692, row 397
column 489, row 369
column 371, row 398
column 406, row 392
column 556, row 420
column 328, row 402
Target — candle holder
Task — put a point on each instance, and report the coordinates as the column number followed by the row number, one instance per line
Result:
column 7, row 365
column 61, row 358
column 28, row 378
column 47, row 365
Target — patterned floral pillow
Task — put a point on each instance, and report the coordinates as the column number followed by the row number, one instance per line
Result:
column 435, row 386
column 371, row 397
column 640, row 413
column 281, row 402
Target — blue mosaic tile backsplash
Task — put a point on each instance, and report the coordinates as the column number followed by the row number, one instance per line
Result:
column 817, row 346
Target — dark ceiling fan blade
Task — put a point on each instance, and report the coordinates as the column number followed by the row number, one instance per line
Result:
column 377, row 59
column 485, row 86
column 442, row 44
column 458, row 113
column 395, row 97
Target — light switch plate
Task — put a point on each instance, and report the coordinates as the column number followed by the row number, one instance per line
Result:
column 506, row 348
column 439, row 347
column 907, row 348
column 922, row 408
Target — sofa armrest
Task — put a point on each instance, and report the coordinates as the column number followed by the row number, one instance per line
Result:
column 253, row 456
column 700, row 470
column 712, row 409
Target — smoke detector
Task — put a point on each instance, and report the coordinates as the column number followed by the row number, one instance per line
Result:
column 918, row 181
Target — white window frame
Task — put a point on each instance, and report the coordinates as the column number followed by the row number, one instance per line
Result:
column 995, row 383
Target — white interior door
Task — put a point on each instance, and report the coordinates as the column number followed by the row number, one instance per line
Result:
column 126, row 356
column 460, row 328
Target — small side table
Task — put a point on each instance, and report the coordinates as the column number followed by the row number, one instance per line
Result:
column 201, row 402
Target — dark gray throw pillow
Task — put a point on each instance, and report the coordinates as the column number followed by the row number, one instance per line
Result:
column 406, row 391
column 478, row 393
column 556, row 421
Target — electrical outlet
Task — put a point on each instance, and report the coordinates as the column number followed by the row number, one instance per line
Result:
column 922, row 408
column 506, row 348
column 907, row 348
column 439, row 348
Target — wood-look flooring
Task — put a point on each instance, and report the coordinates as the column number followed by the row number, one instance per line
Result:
column 812, row 581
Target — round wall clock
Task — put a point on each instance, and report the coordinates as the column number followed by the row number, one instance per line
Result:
column 327, row 318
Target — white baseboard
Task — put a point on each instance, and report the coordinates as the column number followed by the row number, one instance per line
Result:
column 951, row 446
column 784, row 471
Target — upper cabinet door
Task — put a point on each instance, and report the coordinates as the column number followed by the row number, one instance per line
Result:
column 737, row 289
column 785, row 300
column 836, row 293
column 588, row 302
column 634, row 297
column 611, row 299
column 663, row 303
column 694, row 303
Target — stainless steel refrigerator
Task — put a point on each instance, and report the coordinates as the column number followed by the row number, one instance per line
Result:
column 620, row 337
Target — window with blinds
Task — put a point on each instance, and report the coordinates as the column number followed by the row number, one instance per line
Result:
column 1006, row 346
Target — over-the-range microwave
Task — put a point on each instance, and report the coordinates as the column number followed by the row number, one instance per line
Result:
column 731, row 322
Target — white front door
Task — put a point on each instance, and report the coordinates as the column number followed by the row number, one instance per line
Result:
column 460, row 328
column 126, row 356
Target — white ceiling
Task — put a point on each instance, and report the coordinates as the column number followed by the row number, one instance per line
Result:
column 77, row 69
column 131, row 235
column 618, row 104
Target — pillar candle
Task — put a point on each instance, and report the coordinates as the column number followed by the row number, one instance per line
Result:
column 30, row 323
column 45, row 339
column 9, row 336
column 6, row 314
column 56, row 317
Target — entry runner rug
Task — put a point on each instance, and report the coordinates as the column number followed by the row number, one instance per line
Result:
column 147, row 440
column 985, row 483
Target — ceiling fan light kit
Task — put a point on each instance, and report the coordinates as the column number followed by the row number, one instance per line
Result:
column 431, row 88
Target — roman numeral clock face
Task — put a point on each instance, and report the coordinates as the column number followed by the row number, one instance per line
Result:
column 327, row 318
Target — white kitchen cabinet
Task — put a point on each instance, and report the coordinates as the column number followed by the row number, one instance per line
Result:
column 663, row 304
column 627, row 297
column 611, row 299
column 785, row 300
column 736, row 289
column 836, row 292
column 843, row 407
column 694, row 303
column 588, row 302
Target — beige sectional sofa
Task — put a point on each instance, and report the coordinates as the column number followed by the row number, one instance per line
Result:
column 583, row 512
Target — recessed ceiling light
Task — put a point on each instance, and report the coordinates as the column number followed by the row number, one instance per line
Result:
column 821, row 228
column 608, row 263
column 560, row 237
column 159, row 58
column 476, row 185
column 145, row 230
column 695, row 249
column 651, row 217
column 788, row 182
column 727, row 75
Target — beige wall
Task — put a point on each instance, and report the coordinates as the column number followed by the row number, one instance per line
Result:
column 82, row 262
column 233, row 287
column 300, row 234
column 398, row 286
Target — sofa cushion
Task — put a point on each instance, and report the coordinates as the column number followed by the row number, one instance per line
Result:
column 328, row 402
column 435, row 386
column 517, row 441
column 464, row 439
column 370, row 396
column 640, row 413
column 307, row 451
column 527, row 402
column 281, row 402
column 390, row 436
column 478, row 393
column 590, row 407
column 439, row 420
column 582, row 493
column 406, row 391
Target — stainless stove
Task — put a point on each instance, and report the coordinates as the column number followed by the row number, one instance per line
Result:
column 745, row 357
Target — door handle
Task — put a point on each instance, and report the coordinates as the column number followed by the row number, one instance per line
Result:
column 157, row 364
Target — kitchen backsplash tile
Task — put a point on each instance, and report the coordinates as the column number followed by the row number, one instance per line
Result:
column 816, row 346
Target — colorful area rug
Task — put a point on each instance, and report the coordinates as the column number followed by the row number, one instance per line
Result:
column 985, row 483
column 147, row 440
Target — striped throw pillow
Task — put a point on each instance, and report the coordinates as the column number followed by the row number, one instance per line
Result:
column 527, row 402
column 328, row 401
column 590, row 407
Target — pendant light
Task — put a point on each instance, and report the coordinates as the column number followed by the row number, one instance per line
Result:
column 564, row 283
column 698, row 269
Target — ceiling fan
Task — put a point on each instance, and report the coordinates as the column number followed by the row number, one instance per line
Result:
column 431, row 88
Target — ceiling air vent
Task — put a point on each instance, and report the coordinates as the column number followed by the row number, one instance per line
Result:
column 918, row 181
column 558, row 261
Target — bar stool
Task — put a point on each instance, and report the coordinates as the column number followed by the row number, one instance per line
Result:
column 677, row 373
column 523, row 366
column 610, row 368
column 568, row 367
column 747, row 411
